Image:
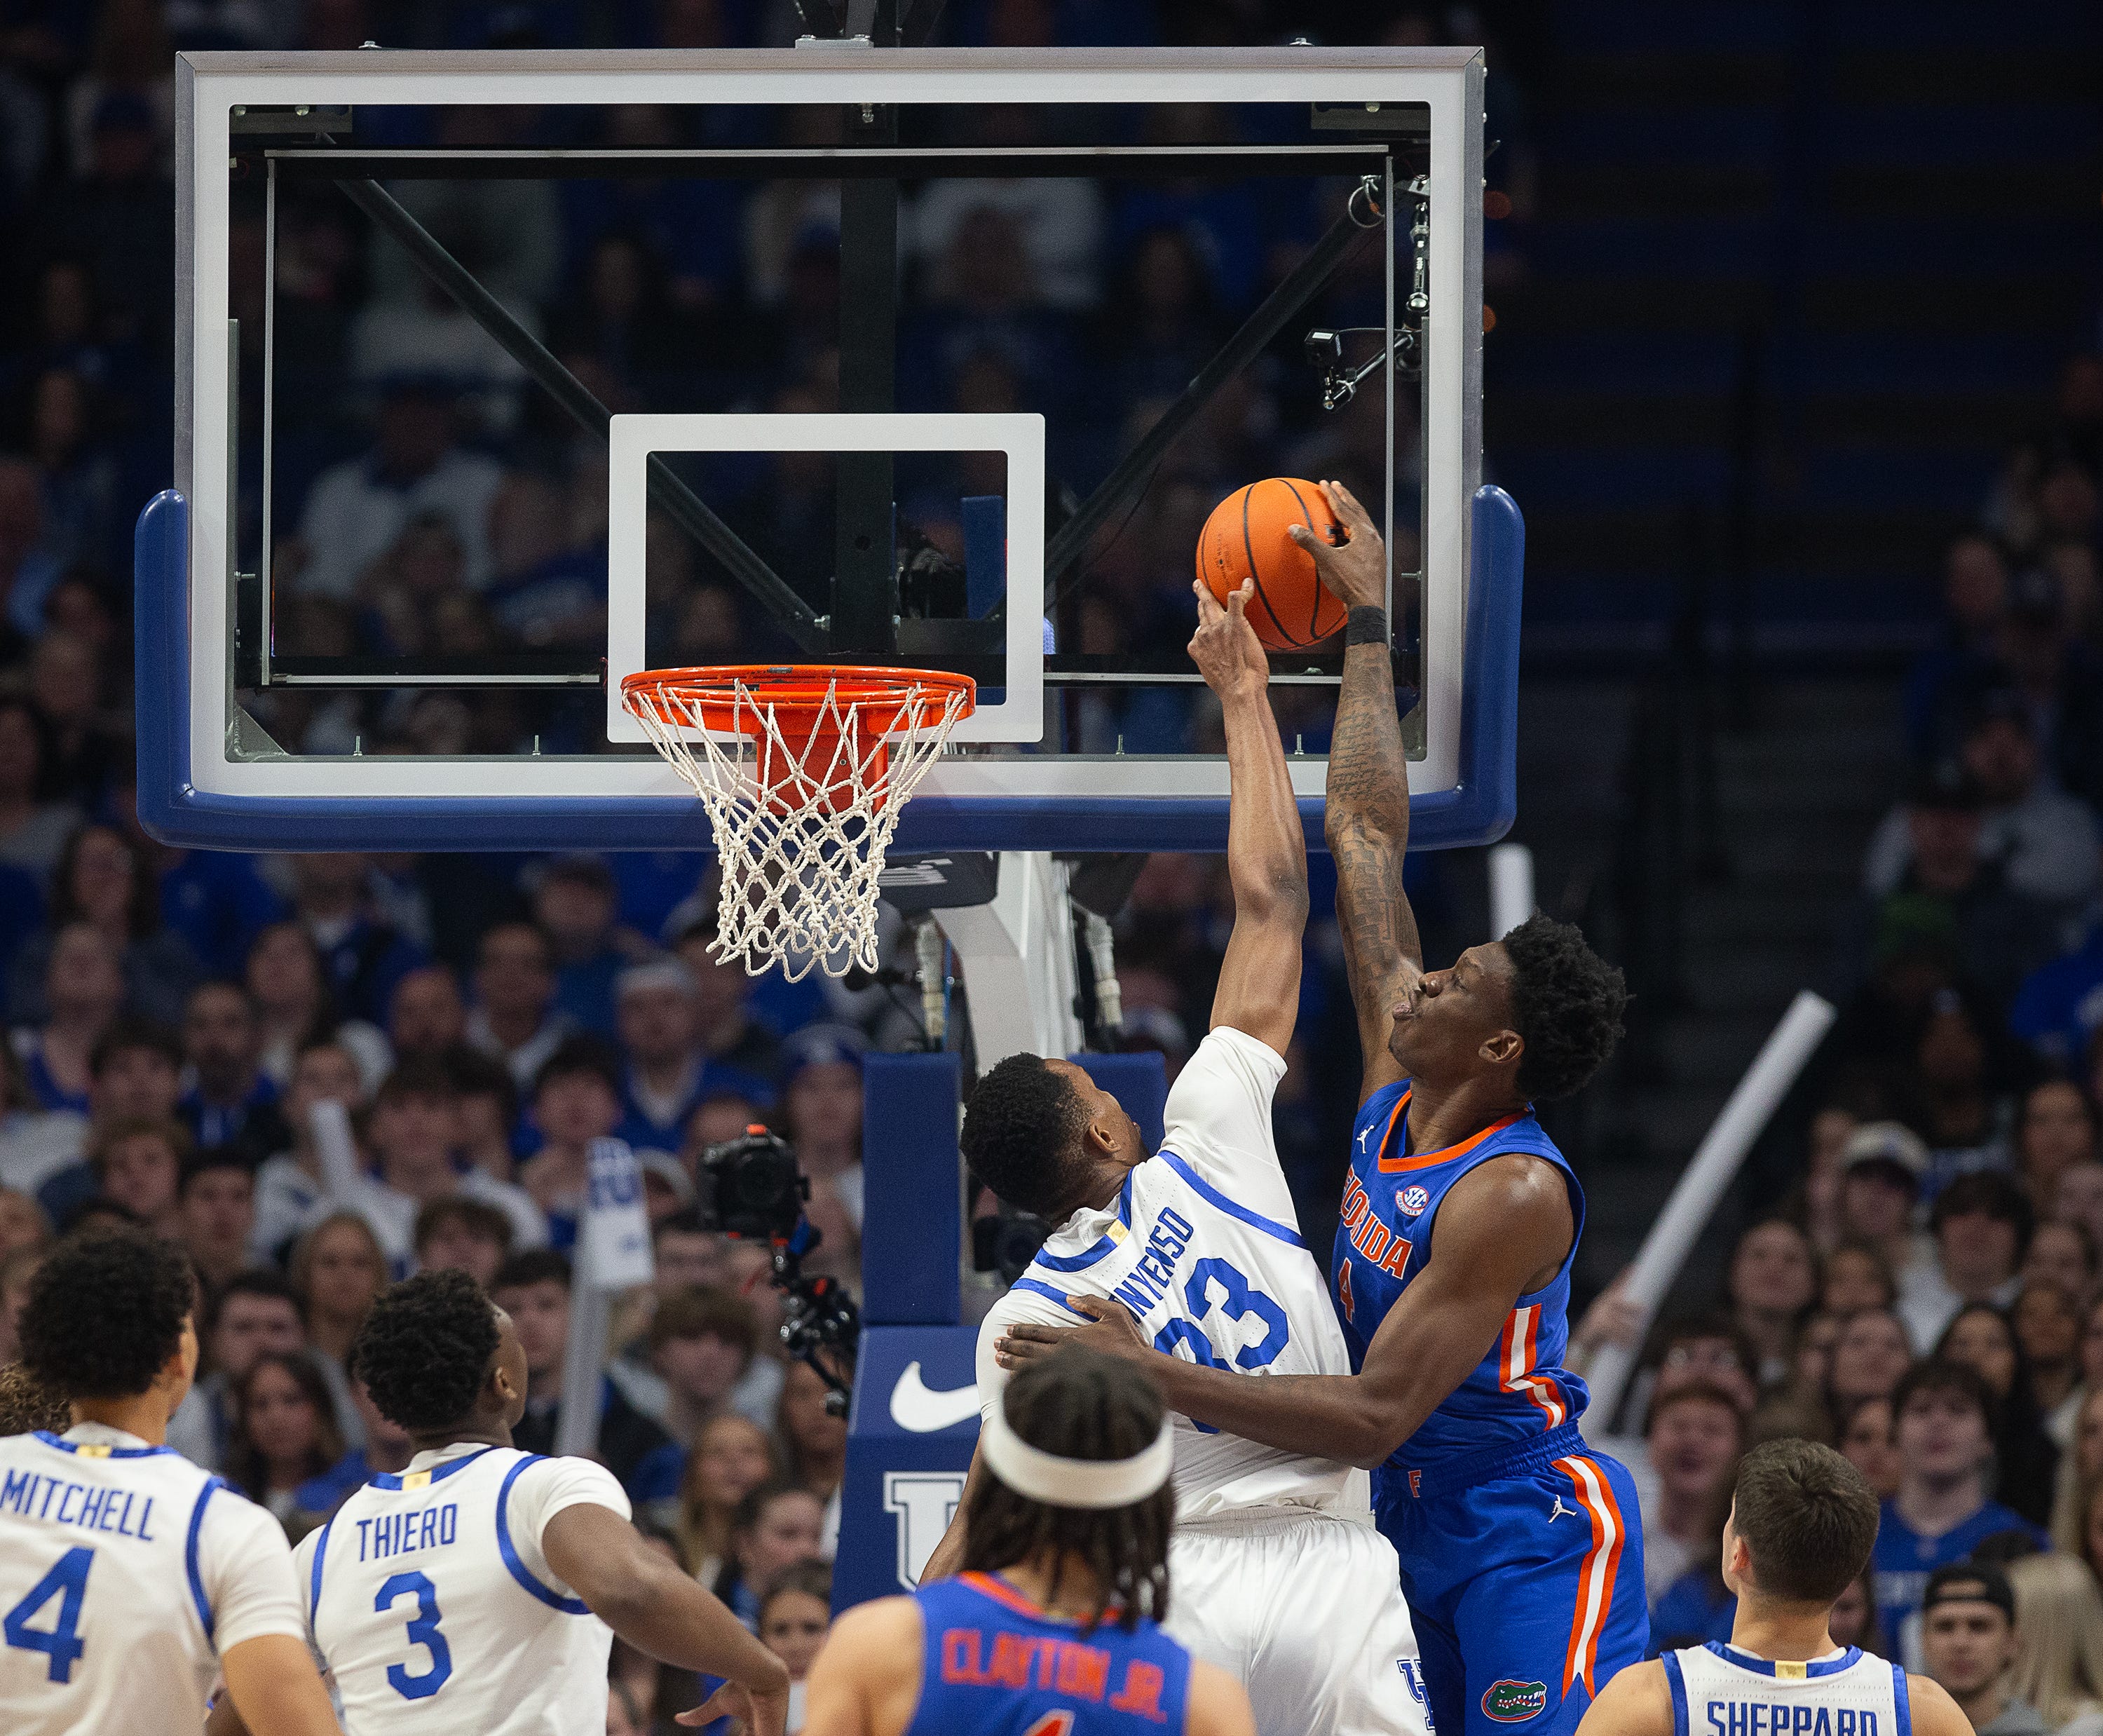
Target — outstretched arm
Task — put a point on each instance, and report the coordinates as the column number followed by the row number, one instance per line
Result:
column 658, row 1609
column 1258, row 990
column 1366, row 822
column 1500, row 1227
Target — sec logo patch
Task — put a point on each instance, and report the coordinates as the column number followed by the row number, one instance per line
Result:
column 1414, row 1199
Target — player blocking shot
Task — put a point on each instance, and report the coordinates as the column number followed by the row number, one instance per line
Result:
column 1520, row 1549
column 1802, row 1520
column 480, row 1589
column 1281, row 1583
column 1052, row 1628
column 129, row 1578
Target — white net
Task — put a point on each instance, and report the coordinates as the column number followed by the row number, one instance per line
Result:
column 803, row 800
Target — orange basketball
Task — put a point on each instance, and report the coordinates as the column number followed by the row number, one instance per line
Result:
column 1245, row 538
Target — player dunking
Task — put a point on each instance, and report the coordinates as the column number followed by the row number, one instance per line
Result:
column 129, row 1578
column 1520, row 1549
column 1279, row 1584
column 1802, row 1521
column 1051, row 1629
column 480, row 1589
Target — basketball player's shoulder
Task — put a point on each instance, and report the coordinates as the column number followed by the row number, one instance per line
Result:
column 867, row 1676
column 877, row 1628
column 1934, row 1712
column 877, row 1639
column 1638, row 1701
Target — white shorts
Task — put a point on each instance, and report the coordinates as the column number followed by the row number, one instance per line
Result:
column 1306, row 1610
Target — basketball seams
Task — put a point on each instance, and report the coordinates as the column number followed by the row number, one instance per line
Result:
column 1314, row 632
column 1256, row 576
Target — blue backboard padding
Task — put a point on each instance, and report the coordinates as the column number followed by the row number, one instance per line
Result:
column 1477, row 810
column 1140, row 1082
column 984, row 519
column 913, row 1225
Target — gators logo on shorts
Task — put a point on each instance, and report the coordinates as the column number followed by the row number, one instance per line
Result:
column 1513, row 1703
column 1414, row 1199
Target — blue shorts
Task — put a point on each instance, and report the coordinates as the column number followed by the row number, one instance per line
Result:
column 1523, row 1569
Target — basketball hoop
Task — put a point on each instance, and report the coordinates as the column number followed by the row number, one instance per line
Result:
column 803, row 815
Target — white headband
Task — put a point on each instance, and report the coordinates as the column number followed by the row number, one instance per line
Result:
column 1092, row 1483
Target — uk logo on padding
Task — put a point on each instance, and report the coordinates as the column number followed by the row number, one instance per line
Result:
column 1414, row 1199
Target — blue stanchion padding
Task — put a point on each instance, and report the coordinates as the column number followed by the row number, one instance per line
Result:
column 1140, row 1082
column 911, row 1432
column 911, row 1223
column 1477, row 810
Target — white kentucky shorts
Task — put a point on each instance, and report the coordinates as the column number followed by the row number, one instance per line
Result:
column 1304, row 1608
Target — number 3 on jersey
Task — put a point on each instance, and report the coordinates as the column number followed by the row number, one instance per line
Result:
column 1237, row 1301
column 60, row 1642
column 423, row 1630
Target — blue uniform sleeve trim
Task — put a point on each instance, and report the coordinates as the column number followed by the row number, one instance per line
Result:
column 519, row 1570
column 315, row 1578
column 1902, row 1705
column 1075, row 1262
column 1212, row 1196
column 1677, row 1682
column 1039, row 1288
column 211, row 1487
column 1124, row 1200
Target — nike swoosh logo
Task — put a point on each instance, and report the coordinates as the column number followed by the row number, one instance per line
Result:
column 920, row 1410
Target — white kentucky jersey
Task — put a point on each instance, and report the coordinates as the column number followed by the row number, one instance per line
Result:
column 1201, row 1246
column 1718, row 1690
column 125, row 1573
column 434, row 1610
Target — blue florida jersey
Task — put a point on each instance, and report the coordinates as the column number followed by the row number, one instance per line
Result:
column 1520, row 1390
column 995, row 1664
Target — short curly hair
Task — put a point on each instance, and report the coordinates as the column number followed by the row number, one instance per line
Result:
column 1022, row 1126
column 425, row 1349
column 105, row 1313
column 27, row 1404
column 1567, row 1004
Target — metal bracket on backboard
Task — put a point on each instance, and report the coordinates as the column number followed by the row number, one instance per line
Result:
column 289, row 120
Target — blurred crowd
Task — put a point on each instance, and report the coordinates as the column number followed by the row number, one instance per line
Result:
column 1928, row 1298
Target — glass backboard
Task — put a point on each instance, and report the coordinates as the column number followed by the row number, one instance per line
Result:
column 504, row 375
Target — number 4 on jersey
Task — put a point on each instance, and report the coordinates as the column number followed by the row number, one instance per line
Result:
column 1052, row 1724
column 68, row 1582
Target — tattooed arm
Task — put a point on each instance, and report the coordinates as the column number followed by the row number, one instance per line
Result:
column 1366, row 822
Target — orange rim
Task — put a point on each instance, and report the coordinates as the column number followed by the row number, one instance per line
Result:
column 792, row 687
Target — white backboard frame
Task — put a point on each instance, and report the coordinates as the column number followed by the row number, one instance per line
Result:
column 1447, row 81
